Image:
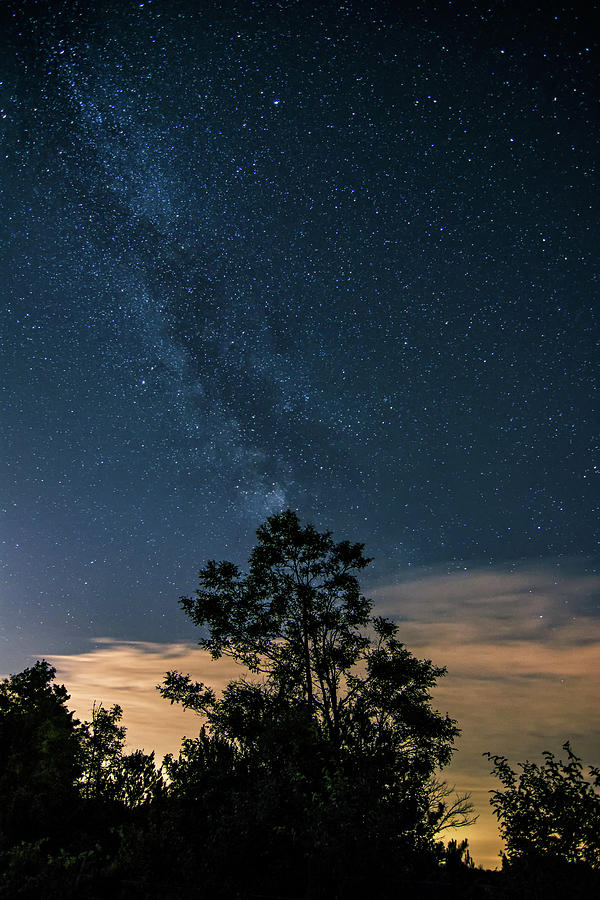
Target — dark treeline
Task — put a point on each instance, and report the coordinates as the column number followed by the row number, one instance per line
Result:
column 316, row 774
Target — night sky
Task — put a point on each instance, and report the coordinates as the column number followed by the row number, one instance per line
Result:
column 338, row 257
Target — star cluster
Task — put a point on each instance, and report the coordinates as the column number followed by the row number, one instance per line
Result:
column 333, row 256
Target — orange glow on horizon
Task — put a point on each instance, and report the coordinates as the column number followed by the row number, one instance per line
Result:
column 523, row 676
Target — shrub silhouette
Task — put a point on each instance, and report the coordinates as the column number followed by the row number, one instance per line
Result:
column 549, row 813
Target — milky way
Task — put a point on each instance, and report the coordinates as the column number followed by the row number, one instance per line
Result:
column 260, row 255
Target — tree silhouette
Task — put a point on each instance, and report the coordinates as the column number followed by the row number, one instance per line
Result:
column 102, row 745
column 317, row 767
column 70, row 797
column 298, row 619
column 333, row 726
column 548, row 812
column 109, row 773
column 39, row 754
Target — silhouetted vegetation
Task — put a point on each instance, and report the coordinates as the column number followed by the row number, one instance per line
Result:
column 549, row 820
column 315, row 774
column 331, row 740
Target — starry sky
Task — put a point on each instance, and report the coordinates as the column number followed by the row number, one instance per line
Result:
column 338, row 257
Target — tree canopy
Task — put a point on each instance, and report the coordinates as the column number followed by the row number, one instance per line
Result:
column 298, row 620
column 330, row 694
column 317, row 768
column 39, row 752
column 549, row 812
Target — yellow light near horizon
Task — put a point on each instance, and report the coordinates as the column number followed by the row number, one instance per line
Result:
column 515, row 686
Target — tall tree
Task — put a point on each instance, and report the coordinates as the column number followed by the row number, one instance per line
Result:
column 330, row 685
column 39, row 754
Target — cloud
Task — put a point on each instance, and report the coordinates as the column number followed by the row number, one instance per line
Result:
column 519, row 602
column 521, row 649
column 127, row 672
column 523, row 658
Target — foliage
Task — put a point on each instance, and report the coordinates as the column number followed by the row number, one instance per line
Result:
column 108, row 772
column 332, row 739
column 296, row 617
column 39, row 754
column 34, row 870
column 299, row 620
column 102, row 748
column 69, row 794
column 457, row 856
column 549, row 812
column 316, row 768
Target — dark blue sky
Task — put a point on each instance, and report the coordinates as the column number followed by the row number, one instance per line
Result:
column 340, row 257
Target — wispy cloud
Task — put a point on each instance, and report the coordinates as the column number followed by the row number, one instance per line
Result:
column 521, row 648
column 127, row 672
column 523, row 659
